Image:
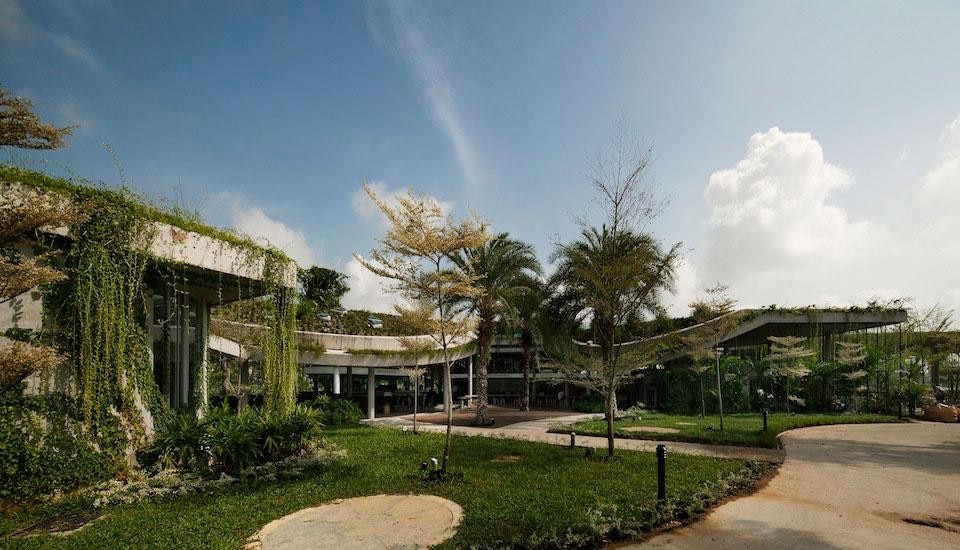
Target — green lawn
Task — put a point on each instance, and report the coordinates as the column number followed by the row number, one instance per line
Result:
column 739, row 429
column 550, row 497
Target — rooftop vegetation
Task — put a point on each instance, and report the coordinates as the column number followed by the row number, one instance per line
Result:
column 79, row 188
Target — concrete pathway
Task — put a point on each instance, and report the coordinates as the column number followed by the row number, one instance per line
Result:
column 382, row 521
column 870, row 486
column 536, row 430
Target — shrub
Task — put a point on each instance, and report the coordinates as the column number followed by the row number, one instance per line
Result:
column 180, row 444
column 592, row 403
column 226, row 442
column 44, row 449
column 337, row 412
column 234, row 441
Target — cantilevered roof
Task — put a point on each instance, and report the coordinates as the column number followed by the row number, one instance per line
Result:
column 752, row 327
column 756, row 325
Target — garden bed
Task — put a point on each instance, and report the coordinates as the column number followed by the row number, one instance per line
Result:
column 548, row 496
column 739, row 429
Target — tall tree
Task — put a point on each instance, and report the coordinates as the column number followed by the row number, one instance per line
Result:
column 418, row 318
column 615, row 273
column 853, row 355
column 787, row 354
column 22, row 215
column 715, row 318
column 324, row 287
column 613, row 279
column 415, row 254
column 502, row 269
column 20, row 127
column 528, row 318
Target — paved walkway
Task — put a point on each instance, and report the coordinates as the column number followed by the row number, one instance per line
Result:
column 536, row 430
column 381, row 521
column 871, row 486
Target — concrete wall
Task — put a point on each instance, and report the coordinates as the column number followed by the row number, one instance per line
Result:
column 177, row 245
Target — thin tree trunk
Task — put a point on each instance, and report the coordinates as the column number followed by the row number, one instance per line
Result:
column 719, row 396
column 416, row 386
column 484, row 338
column 703, row 404
column 525, row 399
column 610, row 417
column 448, row 405
column 447, row 386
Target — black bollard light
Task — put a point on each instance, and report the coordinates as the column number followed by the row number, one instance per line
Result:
column 661, row 472
column 764, row 419
column 573, row 439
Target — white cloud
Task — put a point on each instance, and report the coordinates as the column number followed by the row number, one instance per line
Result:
column 771, row 211
column 255, row 223
column 409, row 26
column 18, row 29
column 942, row 182
column 776, row 235
column 368, row 211
column 367, row 290
column 76, row 49
column 902, row 156
column 687, row 287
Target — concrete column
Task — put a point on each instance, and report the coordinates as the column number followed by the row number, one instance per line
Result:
column 827, row 344
column 336, row 380
column 470, row 375
column 203, row 321
column 371, row 393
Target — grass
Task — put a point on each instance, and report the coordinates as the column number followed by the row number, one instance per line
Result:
column 550, row 497
column 739, row 429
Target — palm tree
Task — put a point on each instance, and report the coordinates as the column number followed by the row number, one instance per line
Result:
column 527, row 318
column 502, row 270
column 611, row 278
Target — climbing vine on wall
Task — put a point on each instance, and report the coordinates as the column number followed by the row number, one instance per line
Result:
column 114, row 374
column 279, row 342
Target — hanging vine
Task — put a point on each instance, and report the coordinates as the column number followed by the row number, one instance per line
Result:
column 279, row 343
column 108, row 337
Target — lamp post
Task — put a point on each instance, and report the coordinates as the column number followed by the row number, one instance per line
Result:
column 719, row 351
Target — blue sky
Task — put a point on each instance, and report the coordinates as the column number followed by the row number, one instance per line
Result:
column 268, row 116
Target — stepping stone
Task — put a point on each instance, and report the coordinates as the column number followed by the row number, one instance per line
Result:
column 380, row 521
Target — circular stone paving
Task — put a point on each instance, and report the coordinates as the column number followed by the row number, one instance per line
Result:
column 381, row 521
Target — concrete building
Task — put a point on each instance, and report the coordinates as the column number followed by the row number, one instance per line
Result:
column 186, row 274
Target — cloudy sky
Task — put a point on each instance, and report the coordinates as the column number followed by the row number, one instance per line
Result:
column 811, row 149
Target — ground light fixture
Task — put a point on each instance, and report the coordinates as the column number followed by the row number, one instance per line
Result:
column 374, row 322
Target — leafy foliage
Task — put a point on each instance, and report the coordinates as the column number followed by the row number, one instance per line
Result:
column 415, row 253
column 550, row 499
column 321, row 286
column 280, row 345
column 225, row 442
column 20, row 127
column 593, row 403
column 741, row 429
column 503, row 270
column 44, row 448
column 337, row 412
